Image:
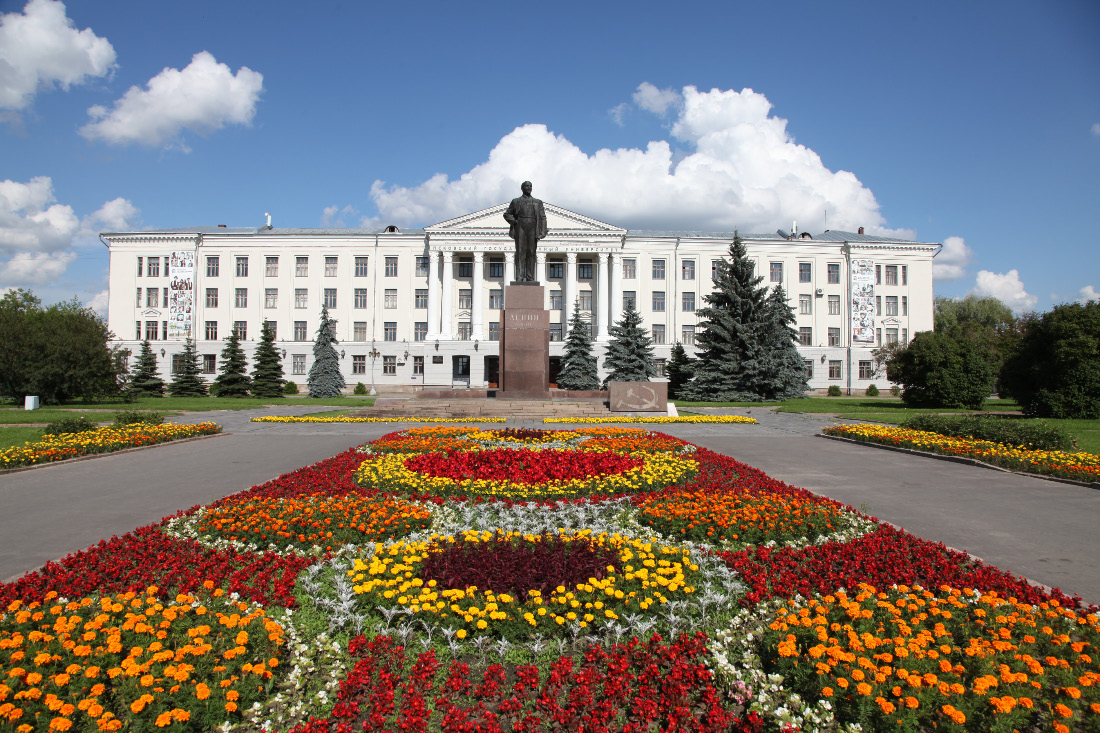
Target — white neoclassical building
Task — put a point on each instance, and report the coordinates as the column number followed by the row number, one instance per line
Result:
column 421, row 307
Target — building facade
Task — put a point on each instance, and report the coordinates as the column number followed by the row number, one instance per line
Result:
column 421, row 307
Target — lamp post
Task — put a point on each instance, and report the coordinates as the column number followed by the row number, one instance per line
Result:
column 373, row 354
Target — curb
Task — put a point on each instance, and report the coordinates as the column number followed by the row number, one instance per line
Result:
column 77, row 459
column 963, row 460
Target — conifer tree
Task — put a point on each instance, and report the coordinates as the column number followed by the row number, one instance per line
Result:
column 630, row 351
column 325, row 379
column 233, row 378
column 267, row 367
column 784, row 373
column 679, row 370
column 578, row 364
column 186, row 381
column 146, row 381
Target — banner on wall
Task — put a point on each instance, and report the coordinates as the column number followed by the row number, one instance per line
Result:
column 863, row 301
column 181, row 278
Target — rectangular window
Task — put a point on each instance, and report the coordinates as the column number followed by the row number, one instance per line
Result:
column 834, row 336
column 891, row 336
column 584, row 270
column 138, row 304
column 359, row 331
column 496, row 299
column 465, row 332
column 687, row 270
column 271, row 266
column 904, row 274
column 164, row 297
column 904, row 305
column 152, row 295
column 390, row 298
column 241, row 329
column 834, row 369
column 298, row 364
column 658, row 333
column 630, row 268
column 878, row 337
column 330, row 297
column 658, row 269
column 154, row 267
column 140, row 261
column 658, row 301
column 164, row 330
column 177, row 363
column 630, row 299
column 833, row 271
column 891, row 274
column 211, row 330
column 805, row 336
column 301, row 267
column 422, row 264
column 555, row 332
column 361, row 265
column 555, row 300
column 418, row 365
column 212, row 266
column 209, row 363
column 891, row 305
column 389, row 365
column 687, row 302
column 359, row 364
column 465, row 299
column 242, row 266
column 271, row 297
column 274, row 327
column 465, row 268
column 776, row 271
column 300, row 331
column 805, row 304
column 805, row 273
column 137, row 330
column 555, row 269
column 240, row 297
column 300, row 298
column 360, row 297
column 420, row 331
column 391, row 267
column 687, row 336
column 494, row 330
column 331, row 266
column 421, row 298
column 584, row 298
column 389, row 331
column 878, row 274
column 808, row 368
column 496, row 267
column 865, row 369
column 834, row 305
column 659, row 366
column 904, row 336
column 878, row 305
column 211, row 297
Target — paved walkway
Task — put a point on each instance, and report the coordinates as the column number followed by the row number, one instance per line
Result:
column 1042, row 530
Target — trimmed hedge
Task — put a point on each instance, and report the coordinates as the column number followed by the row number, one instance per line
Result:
column 1033, row 434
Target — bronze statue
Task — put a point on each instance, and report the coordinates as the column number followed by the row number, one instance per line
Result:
column 527, row 225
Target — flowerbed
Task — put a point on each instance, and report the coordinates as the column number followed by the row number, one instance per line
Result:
column 664, row 419
column 101, row 440
column 1078, row 466
column 370, row 592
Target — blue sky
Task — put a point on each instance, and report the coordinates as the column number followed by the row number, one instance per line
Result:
column 976, row 125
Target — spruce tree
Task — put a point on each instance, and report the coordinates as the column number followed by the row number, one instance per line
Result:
column 267, row 367
column 732, row 363
column 679, row 370
column 630, row 351
column 578, row 364
column 186, row 381
column 784, row 374
column 146, row 381
column 233, row 378
column 325, row 379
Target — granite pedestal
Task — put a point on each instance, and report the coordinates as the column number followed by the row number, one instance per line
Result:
column 525, row 344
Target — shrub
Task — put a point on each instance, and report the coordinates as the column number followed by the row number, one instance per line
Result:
column 290, row 388
column 142, row 417
column 70, row 425
column 1033, row 434
column 361, row 389
column 938, row 370
column 872, row 390
column 895, row 390
column 834, row 391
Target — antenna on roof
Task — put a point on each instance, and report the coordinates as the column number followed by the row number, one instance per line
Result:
column 268, row 219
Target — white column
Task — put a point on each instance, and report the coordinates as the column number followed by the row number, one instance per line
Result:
column 448, row 297
column 540, row 265
column 509, row 268
column 477, row 317
column 615, row 309
column 433, row 295
column 569, row 297
column 601, row 299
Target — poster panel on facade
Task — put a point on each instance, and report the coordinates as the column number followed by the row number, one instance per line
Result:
column 181, row 278
column 863, row 301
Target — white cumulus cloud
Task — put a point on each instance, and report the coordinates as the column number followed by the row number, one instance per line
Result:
column 117, row 215
column 41, row 47
column 202, row 97
column 30, row 220
column 743, row 170
column 335, row 216
column 1096, row 128
column 951, row 262
column 657, row 101
column 25, row 269
column 1088, row 293
column 1006, row 287
column 98, row 302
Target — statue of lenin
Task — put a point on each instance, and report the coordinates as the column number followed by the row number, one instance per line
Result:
column 527, row 225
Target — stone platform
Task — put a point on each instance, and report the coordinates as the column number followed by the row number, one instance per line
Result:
column 465, row 407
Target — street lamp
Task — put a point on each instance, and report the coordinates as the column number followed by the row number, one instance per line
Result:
column 373, row 354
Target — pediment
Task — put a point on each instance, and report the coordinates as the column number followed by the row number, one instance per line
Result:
column 492, row 219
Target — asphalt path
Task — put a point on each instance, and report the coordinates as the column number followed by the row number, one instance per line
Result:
column 1043, row 530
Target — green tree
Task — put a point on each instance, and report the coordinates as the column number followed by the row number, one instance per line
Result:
column 937, row 370
column 325, row 379
column 578, row 364
column 267, row 367
column 186, row 380
column 985, row 321
column 784, row 376
column 233, row 380
column 1055, row 371
column 630, row 350
column 679, row 370
column 146, row 380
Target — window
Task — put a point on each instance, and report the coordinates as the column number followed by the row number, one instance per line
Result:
column 659, row 366
column 555, row 300
column 359, row 331
column 152, row 296
column 241, row 329
column 420, row 331
column 891, row 305
column 465, row 268
column 211, row 330
column 389, row 331
column 555, row 269
column 298, row 364
column 300, row 332
column 805, row 304
column 834, row 369
column 834, row 337
column 331, row 264
column 271, row 297
column 389, row 365
column 687, row 270
column 833, row 271
column 496, row 267
column 465, row 332
column 164, row 300
column 904, row 274
column 891, row 274
column 834, row 305
column 776, row 271
column 865, row 369
column 422, row 265
column 555, row 332
column 211, row 297
column 274, row 327
column 154, row 267
column 584, row 298
column 658, row 301
column 494, row 330
column 630, row 299
column 361, row 266
column 904, row 336
column 211, row 266
column 360, row 297
column 878, row 274
column 271, row 266
column 418, row 365
column 359, row 364
column 687, row 302
column 630, row 268
column 240, row 298
column 164, row 330
column 177, row 362
column 904, row 305
column 137, row 330
column 330, row 297
column 878, row 305
column 804, row 272
column 138, row 304
column 301, row 267
column 878, row 336
column 808, row 368
column 658, row 269
column 891, row 336
column 806, row 336
column 584, row 270
column 687, row 336
column 140, row 261
column 300, row 298
column 465, row 299
column 391, row 267
column 496, row 299
column 390, row 298
column 242, row 266
column 421, row 299
column 658, row 333
column 209, row 363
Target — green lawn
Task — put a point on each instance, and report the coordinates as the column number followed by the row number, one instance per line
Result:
column 176, row 404
column 11, row 437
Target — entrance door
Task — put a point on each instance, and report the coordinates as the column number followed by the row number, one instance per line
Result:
column 460, row 370
column 492, row 371
column 555, row 369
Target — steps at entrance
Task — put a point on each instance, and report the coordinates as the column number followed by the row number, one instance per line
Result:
column 525, row 409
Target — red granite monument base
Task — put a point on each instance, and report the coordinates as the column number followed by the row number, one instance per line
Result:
column 525, row 344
